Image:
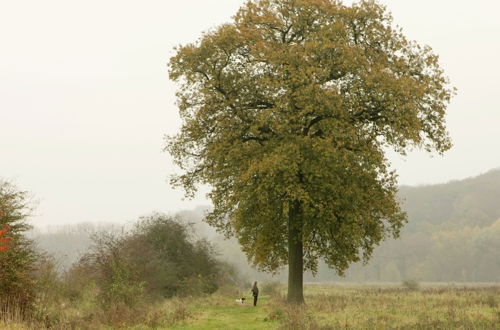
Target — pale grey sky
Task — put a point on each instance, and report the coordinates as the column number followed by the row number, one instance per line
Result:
column 85, row 98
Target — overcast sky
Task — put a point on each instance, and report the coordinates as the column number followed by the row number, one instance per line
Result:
column 85, row 99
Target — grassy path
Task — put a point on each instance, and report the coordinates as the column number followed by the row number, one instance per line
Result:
column 225, row 313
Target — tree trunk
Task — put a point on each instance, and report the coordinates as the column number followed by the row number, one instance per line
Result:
column 295, row 255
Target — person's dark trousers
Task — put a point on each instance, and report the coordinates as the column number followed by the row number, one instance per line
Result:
column 255, row 300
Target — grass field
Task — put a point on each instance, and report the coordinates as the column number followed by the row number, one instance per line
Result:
column 354, row 307
column 327, row 307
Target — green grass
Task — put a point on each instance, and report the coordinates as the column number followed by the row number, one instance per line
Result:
column 221, row 312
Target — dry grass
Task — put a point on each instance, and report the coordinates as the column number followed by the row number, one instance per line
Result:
column 147, row 316
column 391, row 307
column 400, row 308
column 327, row 307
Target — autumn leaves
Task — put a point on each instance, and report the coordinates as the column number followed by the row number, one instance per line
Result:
column 4, row 239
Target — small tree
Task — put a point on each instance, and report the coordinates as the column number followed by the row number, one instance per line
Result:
column 287, row 112
column 17, row 256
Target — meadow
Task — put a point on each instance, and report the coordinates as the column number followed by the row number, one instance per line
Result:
column 357, row 307
column 328, row 306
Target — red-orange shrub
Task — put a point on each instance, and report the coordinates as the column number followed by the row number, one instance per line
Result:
column 17, row 255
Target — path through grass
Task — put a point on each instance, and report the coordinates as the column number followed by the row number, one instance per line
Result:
column 219, row 312
column 356, row 307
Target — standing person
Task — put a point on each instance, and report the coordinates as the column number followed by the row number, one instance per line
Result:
column 255, row 293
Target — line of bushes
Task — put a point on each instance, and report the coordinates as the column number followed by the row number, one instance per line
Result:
column 124, row 278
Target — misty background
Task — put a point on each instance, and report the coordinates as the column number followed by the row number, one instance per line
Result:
column 452, row 235
column 85, row 103
column 85, row 99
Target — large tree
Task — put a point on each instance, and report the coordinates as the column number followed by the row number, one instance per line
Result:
column 287, row 112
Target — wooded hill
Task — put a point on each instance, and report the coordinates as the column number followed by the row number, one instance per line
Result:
column 453, row 234
column 454, row 205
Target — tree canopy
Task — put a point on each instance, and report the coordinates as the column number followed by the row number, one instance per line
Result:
column 287, row 111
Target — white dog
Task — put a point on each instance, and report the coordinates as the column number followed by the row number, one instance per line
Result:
column 240, row 301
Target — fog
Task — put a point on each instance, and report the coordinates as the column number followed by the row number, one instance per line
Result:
column 85, row 99
column 452, row 235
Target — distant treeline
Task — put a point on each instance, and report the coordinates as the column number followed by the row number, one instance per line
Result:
column 452, row 235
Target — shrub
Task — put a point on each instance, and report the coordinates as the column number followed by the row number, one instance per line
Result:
column 298, row 317
column 17, row 253
column 412, row 285
column 271, row 288
column 491, row 301
column 177, row 263
column 107, row 265
column 229, row 280
column 276, row 314
column 158, row 258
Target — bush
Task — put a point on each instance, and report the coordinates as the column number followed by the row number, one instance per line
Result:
column 412, row 285
column 17, row 253
column 177, row 263
column 271, row 288
column 158, row 258
column 298, row 317
column 492, row 301
column 229, row 280
column 108, row 266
